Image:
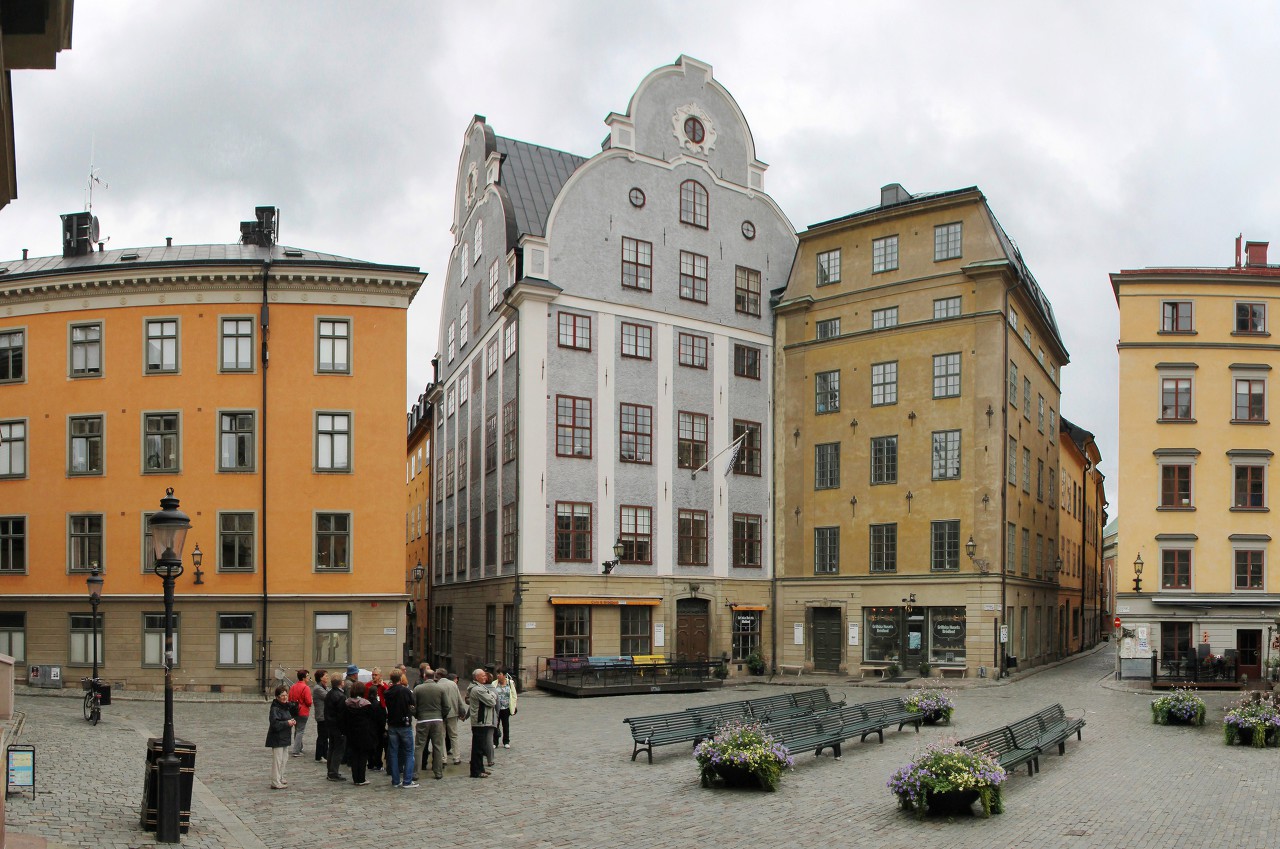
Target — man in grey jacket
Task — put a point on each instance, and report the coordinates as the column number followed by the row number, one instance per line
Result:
column 457, row 710
column 483, row 704
column 432, row 708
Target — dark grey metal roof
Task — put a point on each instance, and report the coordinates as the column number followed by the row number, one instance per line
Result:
column 919, row 197
column 177, row 255
column 533, row 175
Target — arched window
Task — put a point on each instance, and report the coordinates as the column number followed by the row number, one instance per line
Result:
column 693, row 203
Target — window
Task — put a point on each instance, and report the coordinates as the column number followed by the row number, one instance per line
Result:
column 884, row 383
column 884, row 254
column 946, row 241
column 451, row 345
column 491, row 443
column 637, row 341
column 946, row 455
column 1039, row 556
column 826, row 465
column 573, row 426
column 465, row 259
column 509, row 533
column 449, row 471
column 746, row 361
column 884, row 459
column 1026, row 550
column 495, row 285
column 884, row 547
column 691, row 449
column 693, row 277
column 693, row 204
column 946, row 375
column 333, row 442
column 442, row 627
column 826, row 386
column 1040, row 480
column 84, row 648
column 946, row 308
column 237, row 344
column 746, row 633
column 1251, row 396
column 1013, row 384
column 162, row 345
column 13, row 349
column 1250, row 492
column 1053, row 486
column 573, row 630
column 491, row 632
column 153, row 639
column 333, row 639
column 235, row 542
column 882, row 318
column 746, row 291
column 575, row 331
column 479, row 240
column 333, row 346
column 1026, row 470
column 1026, row 398
column 828, row 328
column 749, row 455
column 691, row 530
column 13, row 449
column 1012, row 472
column 1053, row 425
column 1011, row 549
column 508, row 340
column 509, row 636
column 573, row 531
column 945, row 548
column 13, row 635
column 333, row 542
column 693, row 350
column 1040, row 415
column 826, row 551
column 637, row 264
column 86, row 350
column 1175, row 569
column 1176, row 317
column 1175, row 399
column 829, row 267
column 634, row 630
column 235, row 441
column 85, row 455
column 13, row 545
column 1249, row 568
column 635, row 427
column 160, row 442
column 636, row 532
column 1251, row 318
column 747, row 540
column 509, row 426
column 85, row 541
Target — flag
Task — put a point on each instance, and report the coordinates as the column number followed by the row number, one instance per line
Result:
column 733, row 457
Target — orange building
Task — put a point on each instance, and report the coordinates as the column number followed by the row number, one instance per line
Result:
column 417, row 524
column 259, row 382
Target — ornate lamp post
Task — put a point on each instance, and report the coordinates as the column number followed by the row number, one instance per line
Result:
column 197, row 557
column 610, row 565
column 94, row 583
column 1137, row 574
column 168, row 532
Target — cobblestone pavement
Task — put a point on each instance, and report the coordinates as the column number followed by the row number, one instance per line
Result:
column 568, row 780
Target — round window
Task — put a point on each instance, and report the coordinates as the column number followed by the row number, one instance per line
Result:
column 693, row 130
column 637, row 198
column 748, row 230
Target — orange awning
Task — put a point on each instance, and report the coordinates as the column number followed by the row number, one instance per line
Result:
column 614, row 600
column 748, row 607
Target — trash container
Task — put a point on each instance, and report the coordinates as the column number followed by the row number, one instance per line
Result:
column 1010, row 662
column 104, row 694
column 186, row 752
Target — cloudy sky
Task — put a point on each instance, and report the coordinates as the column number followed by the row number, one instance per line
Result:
column 1104, row 135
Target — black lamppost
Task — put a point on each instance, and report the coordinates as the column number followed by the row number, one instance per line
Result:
column 418, row 573
column 168, row 532
column 197, row 557
column 94, row 583
column 1137, row 574
column 610, row 565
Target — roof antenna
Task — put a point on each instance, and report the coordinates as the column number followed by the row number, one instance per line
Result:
column 93, row 177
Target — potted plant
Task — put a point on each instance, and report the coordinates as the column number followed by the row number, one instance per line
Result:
column 892, row 670
column 1180, row 706
column 722, row 671
column 1253, row 720
column 925, row 669
column 755, row 663
column 742, row 754
column 936, row 704
column 946, row 780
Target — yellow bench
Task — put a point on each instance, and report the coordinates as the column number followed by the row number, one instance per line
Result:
column 647, row 660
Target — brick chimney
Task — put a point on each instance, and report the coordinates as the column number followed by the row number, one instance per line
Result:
column 1255, row 253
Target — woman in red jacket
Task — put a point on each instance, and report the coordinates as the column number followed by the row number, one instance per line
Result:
column 301, row 693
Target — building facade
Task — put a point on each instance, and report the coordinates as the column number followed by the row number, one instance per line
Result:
column 417, row 526
column 606, row 333
column 1081, row 518
column 126, row 372
column 1196, row 449
column 916, row 388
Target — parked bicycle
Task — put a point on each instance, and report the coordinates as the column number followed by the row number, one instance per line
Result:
column 92, row 699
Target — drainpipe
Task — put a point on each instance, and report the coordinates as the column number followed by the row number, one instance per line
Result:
column 1084, row 540
column 265, row 327
column 1000, row 651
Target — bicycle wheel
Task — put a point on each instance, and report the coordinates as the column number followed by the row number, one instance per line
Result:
column 88, row 705
column 95, row 712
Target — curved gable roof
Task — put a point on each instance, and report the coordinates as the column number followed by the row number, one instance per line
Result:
column 532, row 176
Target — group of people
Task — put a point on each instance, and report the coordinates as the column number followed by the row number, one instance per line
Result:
column 358, row 721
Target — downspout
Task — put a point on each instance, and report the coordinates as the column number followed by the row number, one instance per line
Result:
column 1000, row 651
column 1084, row 542
column 265, row 325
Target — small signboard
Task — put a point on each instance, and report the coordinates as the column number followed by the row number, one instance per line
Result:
column 659, row 634
column 20, row 767
column 1004, row 633
column 853, row 633
column 797, row 633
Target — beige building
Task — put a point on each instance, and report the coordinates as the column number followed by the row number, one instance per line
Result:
column 1196, row 448
column 916, row 387
column 417, row 525
column 1081, row 516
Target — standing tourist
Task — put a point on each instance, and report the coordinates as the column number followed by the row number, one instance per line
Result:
column 374, row 692
column 280, row 726
column 431, row 706
column 334, row 704
column 457, row 710
column 300, row 693
column 504, row 687
column 358, row 728
column 482, row 705
column 400, row 716
column 320, row 689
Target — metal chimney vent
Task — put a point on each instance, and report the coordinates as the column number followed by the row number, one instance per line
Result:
column 79, row 232
column 263, row 229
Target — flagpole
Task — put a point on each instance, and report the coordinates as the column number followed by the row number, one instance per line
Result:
column 694, row 475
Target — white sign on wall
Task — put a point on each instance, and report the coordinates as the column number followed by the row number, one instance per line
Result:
column 529, row 626
column 1004, row 633
column 797, row 633
column 853, row 633
column 659, row 634
column 388, row 632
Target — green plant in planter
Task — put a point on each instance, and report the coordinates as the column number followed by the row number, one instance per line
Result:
column 925, row 669
column 1180, row 706
column 742, row 753
column 722, row 671
column 936, row 704
column 892, row 670
column 941, row 769
column 1254, row 717
column 755, row 663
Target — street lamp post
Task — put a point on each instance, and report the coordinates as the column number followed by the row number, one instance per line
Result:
column 610, row 565
column 94, row 583
column 168, row 532
column 1137, row 574
column 419, row 572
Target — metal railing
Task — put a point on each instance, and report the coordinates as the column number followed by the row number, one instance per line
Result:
column 1191, row 669
column 580, row 672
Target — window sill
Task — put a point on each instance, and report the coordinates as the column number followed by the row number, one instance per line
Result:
column 98, row 376
column 331, row 471
column 1250, row 510
column 1264, row 334
column 1187, row 509
column 1250, row 422
column 884, row 483
column 1176, row 333
column 1175, row 421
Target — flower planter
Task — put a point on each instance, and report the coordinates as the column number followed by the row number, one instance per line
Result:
column 950, row 802
column 736, row 776
column 933, row 717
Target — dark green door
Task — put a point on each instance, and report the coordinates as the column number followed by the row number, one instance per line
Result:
column 826, row 638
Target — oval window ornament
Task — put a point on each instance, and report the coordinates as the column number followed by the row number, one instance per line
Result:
column 637, row 197
column 693, row 130
column 748, row 230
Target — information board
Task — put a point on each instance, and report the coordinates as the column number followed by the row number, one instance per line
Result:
column 20, row 767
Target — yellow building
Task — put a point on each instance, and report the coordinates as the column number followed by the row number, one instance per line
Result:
column 125, row 372
column 1195, row 453
column 417, row 525
column 916, row 388
column 1081, row 516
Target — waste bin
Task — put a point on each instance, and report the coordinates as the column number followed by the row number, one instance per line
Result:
column 1010, row 662
column 104, row 694
column 186, row 752
column 44, row 675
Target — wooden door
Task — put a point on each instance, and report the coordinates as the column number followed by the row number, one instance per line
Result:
column 826, row 638
column 693, row 629
column 1249, row 653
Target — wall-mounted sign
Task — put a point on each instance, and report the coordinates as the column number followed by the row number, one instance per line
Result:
column 853, row 633
column 1004, row 634
column 797, row 633
column 659, row 634
column 529, row 626
column 388, row 632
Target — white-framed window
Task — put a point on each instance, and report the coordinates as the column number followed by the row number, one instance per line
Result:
column 884, row 254
column 333, row 346
column 86, row 349
column 464, row 325
column 828, row 328
column 829, row 267
column 946, row 375
column 235, row 639
column 884, row 383
column 946, row 307
column 882, row 318
column 1040, row 415
column 82, row 649
column 495, row 289
column 1013, row 384
column 333, row 442
column 509, row 340
column 451, row 350
column 332, row 639
column 1012, row 473
column 236, row 351
column 162, row 345
column 153, row 639
column 946, row 455
column 465, row 259
column 479, row 240
column 946, row 241
column 13, row 448
column 491, row 357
